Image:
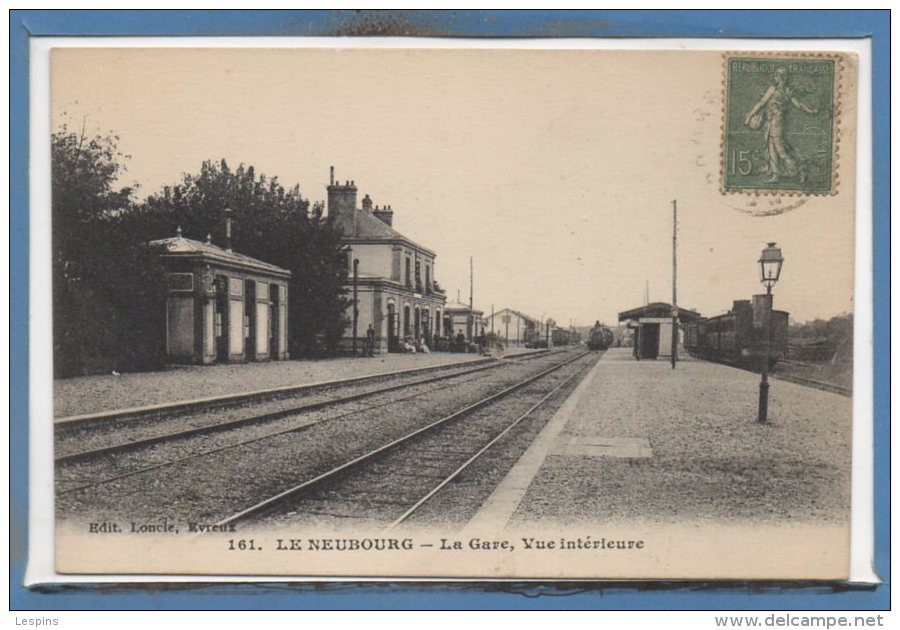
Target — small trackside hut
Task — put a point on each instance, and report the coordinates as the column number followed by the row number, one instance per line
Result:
column 221, row 306
column 652, row 326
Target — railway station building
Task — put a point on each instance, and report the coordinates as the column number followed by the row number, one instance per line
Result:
column 514, row 327
column 395, row 286
column 221, row 306
column 652, row 328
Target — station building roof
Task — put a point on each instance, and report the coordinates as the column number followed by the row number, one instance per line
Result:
column 363, row 225
column 186, row 248
column 657, row 309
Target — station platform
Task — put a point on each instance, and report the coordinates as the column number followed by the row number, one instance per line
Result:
column 101, row 393
column 640, row 442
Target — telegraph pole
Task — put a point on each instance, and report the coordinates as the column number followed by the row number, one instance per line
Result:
column 355, row 302
column 471, row 301
column 674, row 283
column 506, row 334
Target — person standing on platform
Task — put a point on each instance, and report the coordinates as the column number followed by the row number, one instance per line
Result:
column 370, row 341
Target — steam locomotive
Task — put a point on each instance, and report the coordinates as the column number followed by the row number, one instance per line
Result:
column 736, row 337
column 600, row 337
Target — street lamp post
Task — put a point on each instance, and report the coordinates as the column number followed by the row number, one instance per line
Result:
column 770, row 262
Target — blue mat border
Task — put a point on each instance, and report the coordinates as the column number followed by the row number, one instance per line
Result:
column 25, row 24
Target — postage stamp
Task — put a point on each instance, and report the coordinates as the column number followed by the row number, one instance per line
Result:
column 779, row 124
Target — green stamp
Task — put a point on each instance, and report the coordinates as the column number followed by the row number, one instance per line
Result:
column 779, row 125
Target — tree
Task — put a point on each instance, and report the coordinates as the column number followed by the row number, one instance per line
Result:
column 271, row 223
column 105, row 281
column 820, row 340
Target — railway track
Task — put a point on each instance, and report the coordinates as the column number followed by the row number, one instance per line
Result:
column 793, row 378
column 163, row 410
column 66, row 456
column 404, row 474
column 295, row 425
column 809, row 382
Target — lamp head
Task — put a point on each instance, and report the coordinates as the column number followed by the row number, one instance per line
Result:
column 770, row 262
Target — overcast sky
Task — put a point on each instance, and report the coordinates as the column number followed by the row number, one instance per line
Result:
column 555, row 170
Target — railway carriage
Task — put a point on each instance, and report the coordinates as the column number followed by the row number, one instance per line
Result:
column 533, row 338
column 561, row 337
column 734, row 338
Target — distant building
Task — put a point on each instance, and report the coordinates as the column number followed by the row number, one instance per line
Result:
column 222, row 306
column 652, row 328
column 396, row 288
column 512, row 326
column 459, row 317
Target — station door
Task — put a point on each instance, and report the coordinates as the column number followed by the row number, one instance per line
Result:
column 649, row 340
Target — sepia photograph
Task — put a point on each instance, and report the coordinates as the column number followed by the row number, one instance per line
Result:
column 462, row 312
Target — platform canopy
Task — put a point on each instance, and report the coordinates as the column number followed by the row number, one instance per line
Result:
column 657, row 310
column 179, row 247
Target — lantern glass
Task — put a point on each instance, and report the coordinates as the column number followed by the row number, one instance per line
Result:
column 770, row 265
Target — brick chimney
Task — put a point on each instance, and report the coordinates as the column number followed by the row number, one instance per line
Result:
column 385, row 214
column 367, row 203
column 341, row 197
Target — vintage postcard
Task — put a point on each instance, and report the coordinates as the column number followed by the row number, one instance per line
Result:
column 453, row 312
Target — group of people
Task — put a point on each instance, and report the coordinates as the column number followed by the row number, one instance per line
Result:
column 406, row 344
column 412, row 345
column 461, row 344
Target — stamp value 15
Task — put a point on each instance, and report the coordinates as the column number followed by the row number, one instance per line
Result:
column 779, row 127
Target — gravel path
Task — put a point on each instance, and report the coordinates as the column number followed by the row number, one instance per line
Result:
column 710, row 459
column 91, row 394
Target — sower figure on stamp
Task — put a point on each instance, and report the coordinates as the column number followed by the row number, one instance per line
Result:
column 782, row 159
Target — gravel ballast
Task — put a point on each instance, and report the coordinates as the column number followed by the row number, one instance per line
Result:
column 93, row 394
column 210, row 487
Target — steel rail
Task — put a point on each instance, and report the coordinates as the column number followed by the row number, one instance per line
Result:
column 294, row 491
column 814, row 384
column 231, row 400
column 790, row 378
column 425, row 499
column 258, row 438
column 265, row 417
